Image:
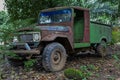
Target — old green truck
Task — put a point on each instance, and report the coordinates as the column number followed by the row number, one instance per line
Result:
column 61, row 31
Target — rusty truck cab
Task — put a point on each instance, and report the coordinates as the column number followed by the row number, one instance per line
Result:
column 67, row 25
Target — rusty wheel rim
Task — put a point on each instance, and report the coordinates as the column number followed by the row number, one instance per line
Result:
column 56, row 57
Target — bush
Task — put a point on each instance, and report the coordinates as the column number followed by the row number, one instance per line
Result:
column 29, row 63
column 115, row 35
column 80, row 74
column 71, row 73
column 116, row 57
column 9, row 29
column 3, row 17
column 117, row 60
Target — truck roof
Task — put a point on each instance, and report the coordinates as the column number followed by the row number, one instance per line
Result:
column 101, row 23
column 72, row 7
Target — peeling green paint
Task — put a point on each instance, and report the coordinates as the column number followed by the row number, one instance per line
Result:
column 81, row 45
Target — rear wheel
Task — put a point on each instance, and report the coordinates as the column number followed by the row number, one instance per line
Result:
column 102, row 49
column 54, row 57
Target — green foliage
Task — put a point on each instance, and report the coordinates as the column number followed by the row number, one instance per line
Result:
column 117, row 57
column 103, row 11
column 113, row 2
column 115, row 36
column 111, row 8
column 82, row 74
column 81, row 3
column 3, row 17
column 91, row 67
column 22, row 9
column 29, row 63
column 111, row 78
column 12, row 55
column 9, row 29
column 74, row 74
column 86, row 70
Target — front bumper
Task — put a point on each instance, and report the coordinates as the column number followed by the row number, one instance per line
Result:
column 26, row 49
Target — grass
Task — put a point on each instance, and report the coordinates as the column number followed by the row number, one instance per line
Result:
column 80, row 74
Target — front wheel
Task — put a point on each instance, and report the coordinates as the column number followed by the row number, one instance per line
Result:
column 54, row 57
column 102, row 49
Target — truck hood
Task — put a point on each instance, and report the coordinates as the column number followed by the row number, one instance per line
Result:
column 45, row 28
column 26, row 29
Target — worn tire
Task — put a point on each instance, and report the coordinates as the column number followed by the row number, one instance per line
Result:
column 54, row 57
column 102, row 49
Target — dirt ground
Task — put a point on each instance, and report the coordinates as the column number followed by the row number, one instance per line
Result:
column 107, row 68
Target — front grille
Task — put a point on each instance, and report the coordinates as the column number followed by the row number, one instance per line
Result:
column 26, row 37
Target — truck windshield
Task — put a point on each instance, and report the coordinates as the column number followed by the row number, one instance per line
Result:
column 55, row 16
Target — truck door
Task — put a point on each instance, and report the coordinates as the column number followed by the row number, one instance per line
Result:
column 78, row 26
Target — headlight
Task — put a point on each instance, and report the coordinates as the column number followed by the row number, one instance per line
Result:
column 15, row 39
column 36, row 37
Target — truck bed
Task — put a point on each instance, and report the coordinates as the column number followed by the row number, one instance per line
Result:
column 99, row 31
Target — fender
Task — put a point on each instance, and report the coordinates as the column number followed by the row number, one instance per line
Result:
column 103, row 37
column 52, row 37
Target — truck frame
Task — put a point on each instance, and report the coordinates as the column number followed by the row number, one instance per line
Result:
column 62, row 31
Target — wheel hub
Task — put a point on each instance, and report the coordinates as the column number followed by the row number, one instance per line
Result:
column 56, row 57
